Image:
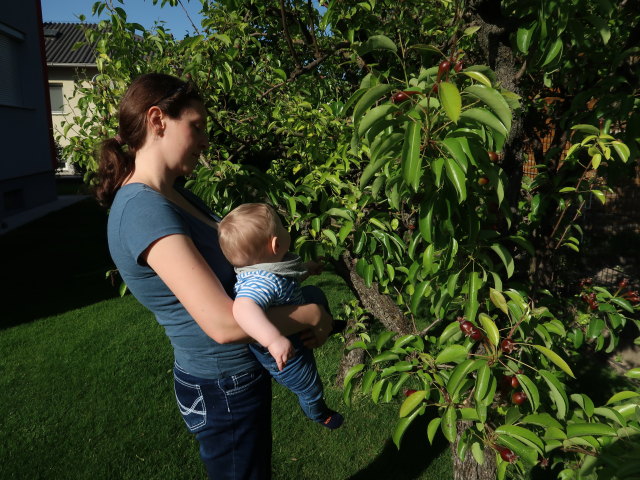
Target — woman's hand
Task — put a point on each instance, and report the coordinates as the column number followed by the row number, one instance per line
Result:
column 316, row 336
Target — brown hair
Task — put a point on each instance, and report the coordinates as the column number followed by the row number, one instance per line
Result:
column 245, row 232
column 168, row 93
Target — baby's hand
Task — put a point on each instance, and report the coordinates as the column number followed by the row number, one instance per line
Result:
column 281, row 350
column 314, row 268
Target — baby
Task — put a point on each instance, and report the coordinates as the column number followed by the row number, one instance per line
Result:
column 254, row 240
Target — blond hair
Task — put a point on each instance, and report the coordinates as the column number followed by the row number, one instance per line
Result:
column 245, row 232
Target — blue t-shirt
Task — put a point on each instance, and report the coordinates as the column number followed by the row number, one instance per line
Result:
column 139, row 216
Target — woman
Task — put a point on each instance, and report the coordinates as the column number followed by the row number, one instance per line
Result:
column 163, row 240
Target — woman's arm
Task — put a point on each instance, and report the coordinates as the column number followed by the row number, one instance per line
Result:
column 182, row 268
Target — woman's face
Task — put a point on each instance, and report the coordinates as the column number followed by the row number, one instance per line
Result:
column 185, row 138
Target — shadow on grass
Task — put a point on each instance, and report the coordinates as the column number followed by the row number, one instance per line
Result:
column 410, row 462
column 55, row 264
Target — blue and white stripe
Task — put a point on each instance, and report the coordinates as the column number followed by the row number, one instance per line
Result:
column 268, row 289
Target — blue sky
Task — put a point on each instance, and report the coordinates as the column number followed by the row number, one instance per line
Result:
column 138, row 11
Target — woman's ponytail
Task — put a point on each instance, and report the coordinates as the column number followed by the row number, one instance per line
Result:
column 115, row 166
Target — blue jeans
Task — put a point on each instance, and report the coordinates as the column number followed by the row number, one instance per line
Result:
column 300, row 374
column 231, row 418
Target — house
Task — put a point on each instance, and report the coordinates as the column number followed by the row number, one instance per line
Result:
column 66, row 66
column 27, row 160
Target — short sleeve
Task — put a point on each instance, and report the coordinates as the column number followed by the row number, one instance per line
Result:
column 147, row 218
column 261, row 290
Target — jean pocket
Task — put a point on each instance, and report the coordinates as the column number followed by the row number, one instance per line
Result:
column 190, row 403
column 241, row 382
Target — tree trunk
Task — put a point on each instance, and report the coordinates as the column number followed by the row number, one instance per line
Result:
column 469, row 469
column 381, row 306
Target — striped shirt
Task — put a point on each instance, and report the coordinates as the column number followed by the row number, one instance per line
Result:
column 268, row 289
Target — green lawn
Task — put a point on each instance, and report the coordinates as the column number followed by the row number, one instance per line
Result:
column 86, row 386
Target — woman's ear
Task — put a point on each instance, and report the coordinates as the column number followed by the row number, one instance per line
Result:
column 155, row 121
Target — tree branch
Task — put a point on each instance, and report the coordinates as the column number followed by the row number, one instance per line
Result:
column 306, row 69
column 287, row 36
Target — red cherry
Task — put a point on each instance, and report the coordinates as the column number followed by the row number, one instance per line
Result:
column 444, row 67
column 402, row 96
column 483, row 181
column 458, row 66
column 623, row 283
column 505, row 382
column 514, row 382
column 507, row 345
column 475, row 334
column 409, row 392
column 518, row 398
column 507, row 455
column 493, row 156
column 467, row 327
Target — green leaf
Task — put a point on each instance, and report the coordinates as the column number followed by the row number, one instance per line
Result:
column 458, row 375
column 367, row 380
column 555, row 358
column 498, row 300
column 486, row 118
column 452, row 353
column 377, row 42
column 494, row 100
column 383, row 338
column 633, row 373
column 472, row 300
column 611, row 414
column 352, row 372
column 478, row 452
column 557, row 392
column 621, row 302
column 533, row 396
column 542, row 420
column 450, row 100
column 374, row 115
column 384, row 357
column 527, row 454
column 505, row 256
column 412, row 402
column 331, row 236
column 602, row 27
column 432, row 428
column 622, row 150
column 522, row 434
column 586, row 128
column 585, row 403
column 622, row 396
column 448, row 424
column 411, row 158
column 453, row 145
column 418, row 295
column 554, row 51
column 490, row 328
column 457, row 177
column 599, row 195
column 478, row 77
column 584, row 429
column 370, row 97
column 402, row 426
column 482, row 382
column 523, row 38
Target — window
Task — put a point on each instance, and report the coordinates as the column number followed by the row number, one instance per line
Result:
column 56, row 97
column 10, row 92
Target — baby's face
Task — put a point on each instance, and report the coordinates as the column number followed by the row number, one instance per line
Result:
column 284, row 239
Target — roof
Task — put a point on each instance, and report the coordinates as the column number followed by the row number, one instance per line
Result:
column 59, row 38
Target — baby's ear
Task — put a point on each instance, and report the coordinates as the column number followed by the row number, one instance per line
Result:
column 274, row 245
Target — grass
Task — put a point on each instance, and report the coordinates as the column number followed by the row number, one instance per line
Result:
column 86, row 385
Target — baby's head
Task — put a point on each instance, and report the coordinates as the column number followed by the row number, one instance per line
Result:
column 253, row 233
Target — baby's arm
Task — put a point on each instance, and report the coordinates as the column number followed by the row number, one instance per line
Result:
column 253, row 320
